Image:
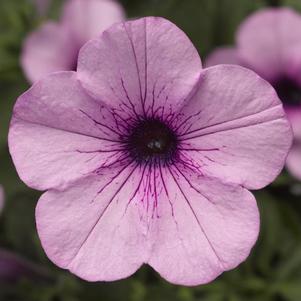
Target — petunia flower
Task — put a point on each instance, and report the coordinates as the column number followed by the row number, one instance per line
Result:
column 148, row 158
column 55, row 45
column 269, row 42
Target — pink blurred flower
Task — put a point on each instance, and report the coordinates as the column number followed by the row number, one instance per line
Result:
column 55, row 46
column 269, row 42
column 14, row 268
column 42, row 6
column 147, row 158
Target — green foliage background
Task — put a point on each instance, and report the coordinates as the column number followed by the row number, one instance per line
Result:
column 272, row 272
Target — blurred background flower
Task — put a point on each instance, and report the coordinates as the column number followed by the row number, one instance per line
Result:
column 272, row 272
column 267, row 44
column 54, row 46
column 14, row 268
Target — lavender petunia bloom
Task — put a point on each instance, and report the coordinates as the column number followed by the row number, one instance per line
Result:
column 55, row 46
column 147, row 158
column 269, row 42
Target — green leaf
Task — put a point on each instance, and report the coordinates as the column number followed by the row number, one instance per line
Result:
column 291, row 290
column 19, row 223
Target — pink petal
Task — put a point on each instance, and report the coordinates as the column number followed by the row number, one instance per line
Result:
column 294, row 158
column 223, row 55
column 204, row 227
column 226, row 125
column 143, row 65
column 50, row 48
column 95, row 228
column 268, row 39
column 293, row 162
column 87, row 19
column 59, row 134
column 294, row 116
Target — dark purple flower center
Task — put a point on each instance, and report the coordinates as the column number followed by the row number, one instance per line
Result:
column 152, row 139
column 288, row 90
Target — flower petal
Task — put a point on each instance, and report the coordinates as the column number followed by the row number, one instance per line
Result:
column 59, row 134
column 267, row 42
column 204, row 227
column 223, row 55
column 88, row 19
column 294, row 116
column 144, row 65
column 95, row 228
column 48, row 49
column 293, row 162
column 226, row 125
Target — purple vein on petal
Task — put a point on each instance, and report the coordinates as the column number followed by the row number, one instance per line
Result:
column 101, row 124
column 162, row 179
column 195, row 216
column 129, row 107
column 189, row 164
column 169, row 201
column 137, row 67
column 101, row 151
column 137, row 189
column 155, row 203
column 128, row 98
column 146, row 189
column 114, row 178
column 231, row 124
column 127, row 121
column 123, row 157
column 67, row 131
column 151, row 190
column 151, row 107
column 173, row 215
column 145, row 62
column 192, row 186
column 104, row 210
column 185, row 121
column 231, row 128
column 199, row 149
column 119, row 124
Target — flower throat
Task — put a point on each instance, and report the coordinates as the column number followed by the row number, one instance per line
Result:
column 151, row 140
